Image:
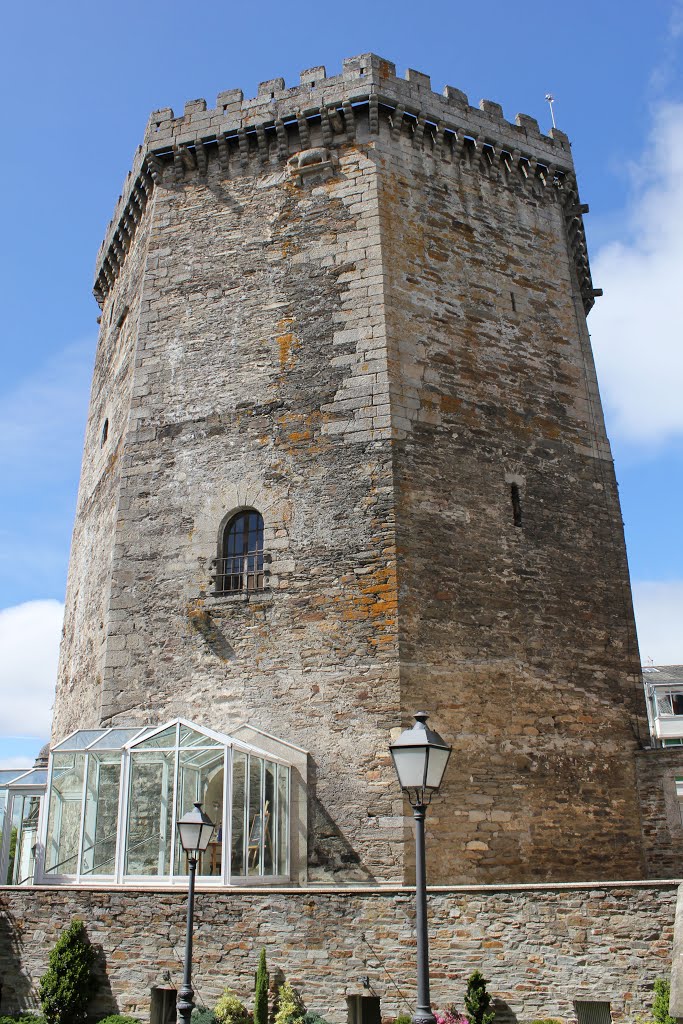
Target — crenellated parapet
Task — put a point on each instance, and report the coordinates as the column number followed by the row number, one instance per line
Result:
column 301, row 128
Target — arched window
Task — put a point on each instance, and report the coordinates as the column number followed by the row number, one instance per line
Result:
column 240, row 562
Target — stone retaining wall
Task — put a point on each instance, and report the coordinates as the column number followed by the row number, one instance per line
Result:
column 540, row 947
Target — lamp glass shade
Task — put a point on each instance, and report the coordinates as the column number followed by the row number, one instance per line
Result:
column 410, row 763
column 420, row 756
column 438, row 759
column 195, row 829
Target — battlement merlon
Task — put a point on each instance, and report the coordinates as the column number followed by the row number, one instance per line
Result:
column 364, row 78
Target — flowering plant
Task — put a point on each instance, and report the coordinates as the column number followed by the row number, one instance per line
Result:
column 450, row 1015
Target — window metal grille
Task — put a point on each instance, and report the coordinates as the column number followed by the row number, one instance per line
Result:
column 593, row 1013
column 240, row 566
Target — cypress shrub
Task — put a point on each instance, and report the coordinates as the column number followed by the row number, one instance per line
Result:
column 68, row 984
column 477, row 1000
column 261, row 991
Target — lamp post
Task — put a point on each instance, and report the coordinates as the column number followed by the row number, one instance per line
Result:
column 195, row 829
column 420, row 757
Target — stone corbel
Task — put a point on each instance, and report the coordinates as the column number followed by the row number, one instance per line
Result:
column 282, row 141
column 350, row 121
column 262, row 143
column 304, row 134
column 243, row 143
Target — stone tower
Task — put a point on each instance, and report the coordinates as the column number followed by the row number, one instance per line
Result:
column 358, row 308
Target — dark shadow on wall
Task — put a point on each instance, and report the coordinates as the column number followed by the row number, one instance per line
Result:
column 17, row 991
column 328, row 847
column 504, row 1014
column 103, row 1002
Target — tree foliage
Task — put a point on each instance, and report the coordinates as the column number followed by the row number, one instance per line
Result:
column 660, row 1003
column 261, row 991
column 478, row 1000
column 68, row 984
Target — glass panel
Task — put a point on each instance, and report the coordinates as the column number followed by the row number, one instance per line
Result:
column 79, row 740
column 436, row 766
column 239, row 791
column 282, row 820
column 201, row 782
column 269, row 807
column 7, row 774
column 150, row 809
column 166, row 738
column 34, row 777
column 677, row 702
column 255, row 843
column 101, row 814
column 663, row 702
column 64, row 815
column 3, row 805
column 192, row 738
column 26, row 840
column 115, row 739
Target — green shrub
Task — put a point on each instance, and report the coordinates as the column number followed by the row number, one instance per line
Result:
column 403, row 1018
column 203, row 1016
column 67, row 985
column 23, row 1018
column 261, row 991
column 119, row 1018
column 546, row 1020
column 660, row 1003
column 311, row 1017
column 229, row 1010
column 290, row 1008
column 477, row 1000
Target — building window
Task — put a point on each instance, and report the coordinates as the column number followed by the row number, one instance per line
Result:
column 240, row 558
column 593, row 1012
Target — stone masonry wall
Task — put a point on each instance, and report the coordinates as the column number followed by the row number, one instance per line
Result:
column 81, row 666
column 540, row 948
column 661, row 810
column 260, row 381
column 363, row 315
column 519, row 637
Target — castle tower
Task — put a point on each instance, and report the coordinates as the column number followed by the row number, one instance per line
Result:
column 345, row 459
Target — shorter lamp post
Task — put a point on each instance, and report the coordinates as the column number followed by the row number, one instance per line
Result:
column 195, row 829
column 420, row 758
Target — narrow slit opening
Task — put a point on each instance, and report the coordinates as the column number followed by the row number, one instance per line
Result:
column 516, row 504
column 513, row 302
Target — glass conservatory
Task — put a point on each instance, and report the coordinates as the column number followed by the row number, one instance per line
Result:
column 114, row 796
column 21, row 801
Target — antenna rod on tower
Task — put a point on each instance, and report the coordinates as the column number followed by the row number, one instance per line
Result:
column 551, row 99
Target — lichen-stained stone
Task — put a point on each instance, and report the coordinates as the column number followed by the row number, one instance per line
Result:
column 386, row 354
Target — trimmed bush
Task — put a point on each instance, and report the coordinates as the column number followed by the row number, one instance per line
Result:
column 68, row 984
column 403, row 1018
column 261, row 991
column 290, row 1008
column 203, row 1016
column 119, row 1018
column 477, row 1000
column 229, row 1010
column 311, row 1017
column 660, row 1003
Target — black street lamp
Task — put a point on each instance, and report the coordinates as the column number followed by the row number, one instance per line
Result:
column 195, row 829
column 420, row 758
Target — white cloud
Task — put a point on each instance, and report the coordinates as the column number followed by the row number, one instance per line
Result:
column 29, row 649
column 637, row 328
column 16, row 762
column 659, row 616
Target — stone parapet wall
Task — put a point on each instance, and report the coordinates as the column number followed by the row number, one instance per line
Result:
column 662, row 824
column 541, row 947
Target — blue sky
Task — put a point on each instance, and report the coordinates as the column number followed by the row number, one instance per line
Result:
column 79, row 81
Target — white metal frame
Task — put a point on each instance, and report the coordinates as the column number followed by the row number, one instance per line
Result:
column 225, row 742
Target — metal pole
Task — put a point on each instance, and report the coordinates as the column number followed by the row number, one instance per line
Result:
column 186, row 995
column 423, row 1014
